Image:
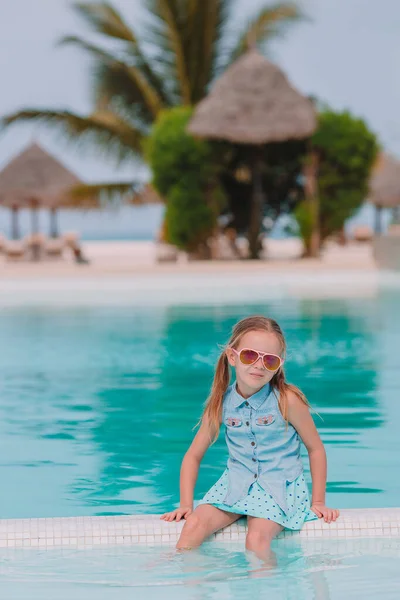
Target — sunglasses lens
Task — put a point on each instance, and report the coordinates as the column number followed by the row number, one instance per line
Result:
column 248, row 357
column 271, row 362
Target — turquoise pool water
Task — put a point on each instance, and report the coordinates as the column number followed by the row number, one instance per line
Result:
column 323, row 570
column 97, row 405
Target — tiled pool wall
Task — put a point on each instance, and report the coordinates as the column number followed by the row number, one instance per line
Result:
column 89, row 532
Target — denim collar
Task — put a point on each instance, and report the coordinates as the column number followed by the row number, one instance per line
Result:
column 255, row 400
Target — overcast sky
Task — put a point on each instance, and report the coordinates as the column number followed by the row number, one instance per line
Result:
column 348, row 55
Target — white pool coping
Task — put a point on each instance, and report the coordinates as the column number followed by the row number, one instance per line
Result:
column 91, row 532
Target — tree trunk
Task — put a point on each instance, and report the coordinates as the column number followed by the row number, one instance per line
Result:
column 255, row 244
column 311, row 193
column 54, row 232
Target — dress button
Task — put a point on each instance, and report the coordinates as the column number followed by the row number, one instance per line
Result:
column 254, row 459
column 247, row 404
column 255, row 475
column 253, row 443
column 247, row 423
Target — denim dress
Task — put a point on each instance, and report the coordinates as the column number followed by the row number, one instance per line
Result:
column 264, row 476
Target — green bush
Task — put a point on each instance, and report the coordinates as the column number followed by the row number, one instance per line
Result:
column 347, row 150
column 304, row 219
column 189, row 219
column 184, row 173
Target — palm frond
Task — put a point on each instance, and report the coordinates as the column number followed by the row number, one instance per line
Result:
column 98, row 194
column 169, row 32
column 103, row 132
column 104, row 18
column 268, row 24
column 95, row 51
column 207, row 24
column 111, row 90
column 135, row 82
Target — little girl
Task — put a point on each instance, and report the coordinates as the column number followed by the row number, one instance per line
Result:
column 265, row 417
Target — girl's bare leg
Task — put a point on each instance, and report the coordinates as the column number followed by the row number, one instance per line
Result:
column 260, row 534
column 203, row 522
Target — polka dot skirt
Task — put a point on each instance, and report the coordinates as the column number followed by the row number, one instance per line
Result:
column 258, row 503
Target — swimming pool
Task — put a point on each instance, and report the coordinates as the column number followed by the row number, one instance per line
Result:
column 321, row 570
column 97, row 405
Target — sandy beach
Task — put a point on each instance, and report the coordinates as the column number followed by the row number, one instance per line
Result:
column 128, row 273
column 130, row 257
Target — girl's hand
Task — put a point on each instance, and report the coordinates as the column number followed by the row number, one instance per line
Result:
column 329, row 514
column 179, row 513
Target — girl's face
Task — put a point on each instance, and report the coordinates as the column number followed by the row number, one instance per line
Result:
column 251, row 378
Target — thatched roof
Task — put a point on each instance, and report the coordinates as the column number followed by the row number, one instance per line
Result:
column 254, row 103
column 384, row 186
column 147, row 195
column 34, row 176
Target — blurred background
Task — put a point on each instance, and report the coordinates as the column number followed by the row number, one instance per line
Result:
column 343, row 53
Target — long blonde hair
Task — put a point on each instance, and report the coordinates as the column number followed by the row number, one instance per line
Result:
column 212, row 413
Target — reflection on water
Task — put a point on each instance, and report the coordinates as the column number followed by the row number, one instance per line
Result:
column 306, row 570
column 97, row 406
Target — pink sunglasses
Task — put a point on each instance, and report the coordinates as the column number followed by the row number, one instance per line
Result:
column 272, row 362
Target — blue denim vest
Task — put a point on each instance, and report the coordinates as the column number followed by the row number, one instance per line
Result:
column 260, row 448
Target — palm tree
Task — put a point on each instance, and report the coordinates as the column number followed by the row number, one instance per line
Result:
column 182, row 47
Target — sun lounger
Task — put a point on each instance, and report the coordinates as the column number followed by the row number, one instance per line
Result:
column 166, row 252
column 71, row 239
column 14, row 250
column 34, row 244
column 363, row 233
column 54, row 247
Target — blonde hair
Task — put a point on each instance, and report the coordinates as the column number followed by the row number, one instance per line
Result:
column 212, row 414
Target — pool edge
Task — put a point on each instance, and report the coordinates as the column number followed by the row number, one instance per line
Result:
column 88, row 532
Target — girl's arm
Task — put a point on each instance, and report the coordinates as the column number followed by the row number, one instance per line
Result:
column 189, row 472
column 299, row 416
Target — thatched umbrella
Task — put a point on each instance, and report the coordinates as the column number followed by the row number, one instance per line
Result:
column 36, row 179
column 146, row 195
column 253, row 103
column 384, row 187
